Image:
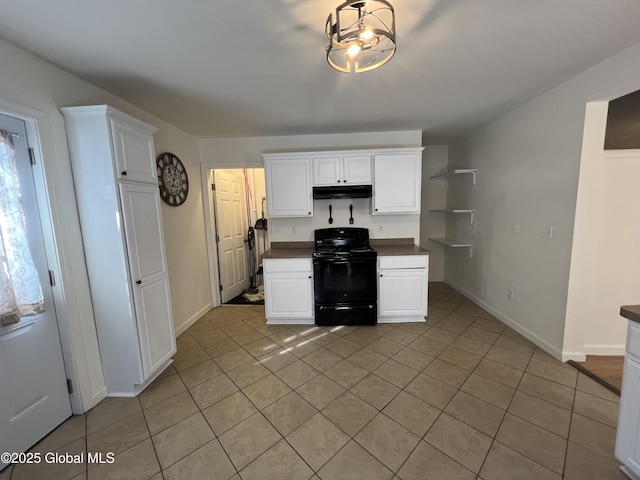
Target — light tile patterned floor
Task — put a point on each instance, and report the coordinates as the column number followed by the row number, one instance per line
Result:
column 459, row 397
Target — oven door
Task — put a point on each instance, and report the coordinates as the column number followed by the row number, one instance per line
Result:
column 345, row 290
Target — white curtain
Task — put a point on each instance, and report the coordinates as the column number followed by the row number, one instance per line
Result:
column 20, row 292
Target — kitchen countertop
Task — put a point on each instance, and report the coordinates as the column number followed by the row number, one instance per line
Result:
column 384, row 247
column 289, row 250
column 631, row 312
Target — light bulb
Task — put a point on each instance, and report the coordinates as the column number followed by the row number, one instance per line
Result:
column 367, row 35
column 353, row 50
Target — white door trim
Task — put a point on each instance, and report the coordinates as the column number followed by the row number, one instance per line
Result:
column 209, row 219
column 63, row 241
column 207, row 201
column 231, row 228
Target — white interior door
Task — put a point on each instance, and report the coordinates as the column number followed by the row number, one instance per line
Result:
column 231, row 224
column 33, row 390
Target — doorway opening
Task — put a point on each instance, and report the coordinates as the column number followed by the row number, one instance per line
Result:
column 238, row 227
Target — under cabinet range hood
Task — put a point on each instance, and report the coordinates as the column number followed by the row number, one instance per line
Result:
column 342, row 191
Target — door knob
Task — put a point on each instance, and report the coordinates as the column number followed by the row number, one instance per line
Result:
column 139, row 282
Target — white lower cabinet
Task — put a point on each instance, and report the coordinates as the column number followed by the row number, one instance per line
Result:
column 402, row 288
column 288, row 290
column 628, row 433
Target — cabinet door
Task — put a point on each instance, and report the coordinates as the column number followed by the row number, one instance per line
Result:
column 288, row 184
column 356, row 169
column 627, row 440
column 289, row 295
column 396, row 185
column 326, row 170
column 134, row 153
column 402, row 293
column 148, row 274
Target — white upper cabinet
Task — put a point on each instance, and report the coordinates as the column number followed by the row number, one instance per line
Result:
column 327, row 170
column 342, row 169
column 288, row 184
column 133, row 151
column 393, row 172
column 397, row 182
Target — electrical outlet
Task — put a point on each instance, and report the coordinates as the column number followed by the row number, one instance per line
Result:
column 293, row 230
column 277, row 230
column 515, row 228
column 510, row 295
column 379, row 228
column 546, row 231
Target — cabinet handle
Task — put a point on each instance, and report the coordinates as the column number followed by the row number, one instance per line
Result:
column 345, row 181
column 124, row 173
column 338, row 181
column 381, row 275
column 309, row 213
column 309, row 276
column 138, row 282
column 376, row 209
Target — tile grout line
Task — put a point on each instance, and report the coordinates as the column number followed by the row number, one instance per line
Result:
column 506, row 411
column 325, row 346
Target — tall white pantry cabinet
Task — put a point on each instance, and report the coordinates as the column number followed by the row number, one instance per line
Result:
column 114, row 172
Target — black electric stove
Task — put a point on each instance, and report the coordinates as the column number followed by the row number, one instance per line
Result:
column 345, row 286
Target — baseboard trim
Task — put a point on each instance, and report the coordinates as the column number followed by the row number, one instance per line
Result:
column 95, row 400
column 192, row 319
column 591, row 349
column 574, row 356
column 525, row 332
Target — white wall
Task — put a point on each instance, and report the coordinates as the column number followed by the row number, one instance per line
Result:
column 31, row 85
column 605, row 259
column 528, row 164
column 184, row 232
column 434, row 197
column 246, row 152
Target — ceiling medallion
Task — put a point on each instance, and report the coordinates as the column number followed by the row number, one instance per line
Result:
column 363, row 36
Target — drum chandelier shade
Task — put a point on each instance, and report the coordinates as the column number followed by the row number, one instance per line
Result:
column 363, row 36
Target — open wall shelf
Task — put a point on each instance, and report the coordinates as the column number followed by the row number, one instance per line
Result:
column 458, row 211
column 450, row 242
column 453, row 243
column 456, row 172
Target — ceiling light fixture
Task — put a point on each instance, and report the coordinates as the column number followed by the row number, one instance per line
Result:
column 363, row 36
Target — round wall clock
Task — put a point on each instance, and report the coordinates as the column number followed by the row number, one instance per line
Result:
column 172, row 179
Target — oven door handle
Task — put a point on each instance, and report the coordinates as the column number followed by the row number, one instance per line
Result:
column 340, row 261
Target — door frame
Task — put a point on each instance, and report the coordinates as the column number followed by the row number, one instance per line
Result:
column 62, row 239
column 209, row 218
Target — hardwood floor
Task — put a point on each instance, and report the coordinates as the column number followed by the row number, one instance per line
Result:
column 605, row 369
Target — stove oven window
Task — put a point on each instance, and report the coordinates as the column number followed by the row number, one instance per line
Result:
column 345, row 281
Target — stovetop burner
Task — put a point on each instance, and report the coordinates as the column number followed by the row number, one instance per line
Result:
column 342, row 242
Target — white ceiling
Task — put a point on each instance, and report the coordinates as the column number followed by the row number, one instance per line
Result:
column 223, row 68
